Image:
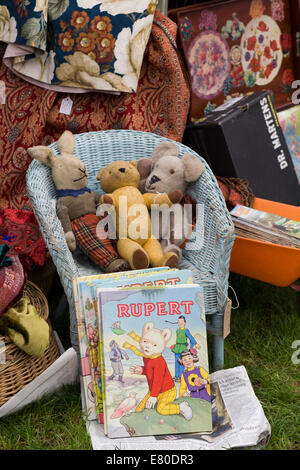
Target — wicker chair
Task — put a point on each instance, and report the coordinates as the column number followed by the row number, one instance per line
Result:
column 209, row 262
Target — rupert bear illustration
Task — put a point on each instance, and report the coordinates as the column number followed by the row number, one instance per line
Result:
column 162, row 391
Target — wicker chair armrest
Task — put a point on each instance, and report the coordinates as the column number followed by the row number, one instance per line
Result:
column 215, row 231
column 219, row 279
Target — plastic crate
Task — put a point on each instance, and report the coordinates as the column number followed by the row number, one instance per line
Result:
column 275, row 264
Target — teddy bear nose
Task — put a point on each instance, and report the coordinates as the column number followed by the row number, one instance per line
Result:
column 122, row 170
column 154, row 179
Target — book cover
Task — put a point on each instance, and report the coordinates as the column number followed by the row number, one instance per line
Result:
column 221, row 421
column 88, row 338
column 88, row 299
column 156, row 375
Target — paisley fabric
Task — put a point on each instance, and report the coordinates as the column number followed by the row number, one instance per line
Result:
column 82, row 44
column 23, row 118
column 31, row 115
column 20, row 231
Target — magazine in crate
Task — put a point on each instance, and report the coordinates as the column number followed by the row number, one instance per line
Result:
column 85, row 294
column 155, row 376
column 264, row 226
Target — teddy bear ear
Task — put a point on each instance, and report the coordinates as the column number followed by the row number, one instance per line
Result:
column 165, row 148
column 66, row 143
column 148, row 327
column 166, row 333
column 193, row 167
column 43, row 154
column 144, row 167
column 134, row 163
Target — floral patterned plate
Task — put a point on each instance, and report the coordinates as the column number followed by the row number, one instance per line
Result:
column 261, row 49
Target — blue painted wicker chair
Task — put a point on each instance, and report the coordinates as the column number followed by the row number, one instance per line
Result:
column 210, row 263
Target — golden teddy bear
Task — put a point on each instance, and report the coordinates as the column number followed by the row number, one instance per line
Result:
column 136, row 243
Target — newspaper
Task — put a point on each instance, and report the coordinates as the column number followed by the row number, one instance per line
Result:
column 63, row 371
column 238, row 421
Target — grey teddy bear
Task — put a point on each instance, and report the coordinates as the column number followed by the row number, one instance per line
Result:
column 165, row 172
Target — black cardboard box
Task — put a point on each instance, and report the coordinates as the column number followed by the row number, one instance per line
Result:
column 243, row 139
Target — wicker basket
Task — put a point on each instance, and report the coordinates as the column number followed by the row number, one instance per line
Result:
column 19, row 368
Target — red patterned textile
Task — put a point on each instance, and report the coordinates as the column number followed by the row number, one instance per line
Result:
column 22, row 125
column 20, row 231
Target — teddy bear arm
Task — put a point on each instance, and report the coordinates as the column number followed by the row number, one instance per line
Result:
column 97, row 197
column 108, row 199
column 152, row 198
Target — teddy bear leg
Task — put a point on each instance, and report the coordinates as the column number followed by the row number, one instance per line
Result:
column 168, row 246
column 156, row 255
column 170, row 259
column 132, row 252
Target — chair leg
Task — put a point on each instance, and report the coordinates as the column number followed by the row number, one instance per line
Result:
column 218, row 352
column 218, row 342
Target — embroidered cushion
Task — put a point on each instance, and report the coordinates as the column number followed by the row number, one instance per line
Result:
column 160, row 105
column 12, row 281
column 31, row 115
column 82, row 44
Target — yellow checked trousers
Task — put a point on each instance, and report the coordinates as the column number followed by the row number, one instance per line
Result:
column 165, row 403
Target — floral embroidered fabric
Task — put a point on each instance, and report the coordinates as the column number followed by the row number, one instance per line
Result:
column 30, row 115
column 82, row 45
column 12, row 280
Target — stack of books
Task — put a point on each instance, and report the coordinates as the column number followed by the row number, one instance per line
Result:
column 252, row 223
column 143, row 352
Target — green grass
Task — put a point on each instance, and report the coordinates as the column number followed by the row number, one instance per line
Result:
column 262, row 332
column 54, row 422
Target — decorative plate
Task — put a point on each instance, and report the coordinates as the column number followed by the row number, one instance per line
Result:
column 261, row 49
column 209, row 62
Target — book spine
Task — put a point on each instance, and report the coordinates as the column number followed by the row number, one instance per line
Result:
column 84, row 348
column 101, row 362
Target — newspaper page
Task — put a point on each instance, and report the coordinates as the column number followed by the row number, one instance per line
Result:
column 238, row 421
